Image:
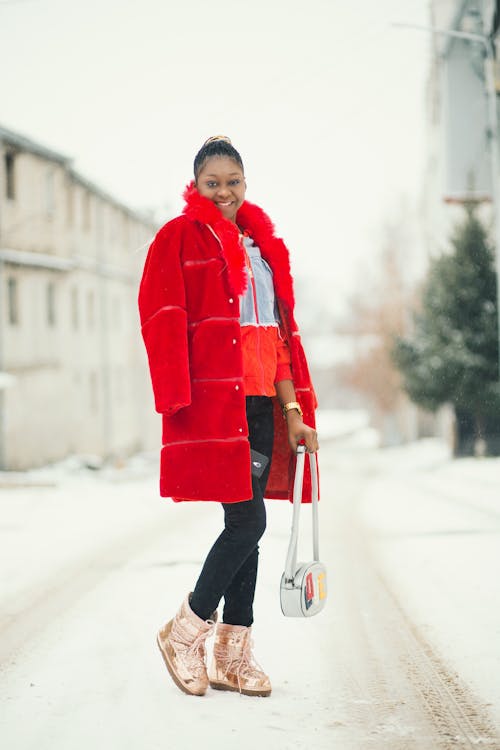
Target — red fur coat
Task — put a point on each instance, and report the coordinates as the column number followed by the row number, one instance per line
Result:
column 189, row 308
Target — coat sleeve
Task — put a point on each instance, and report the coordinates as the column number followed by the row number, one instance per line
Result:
column 162, row 309
column 284, row 361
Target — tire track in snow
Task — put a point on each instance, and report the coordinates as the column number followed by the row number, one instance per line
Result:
column 460, row 719
column 398, row 692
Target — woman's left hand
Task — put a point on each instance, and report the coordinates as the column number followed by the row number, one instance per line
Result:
column 298, row 432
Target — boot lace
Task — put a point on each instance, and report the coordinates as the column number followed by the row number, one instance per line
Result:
column 191, row 651
column 237, row 656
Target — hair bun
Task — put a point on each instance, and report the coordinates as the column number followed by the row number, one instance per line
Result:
column 218, row 146
column 217, row 138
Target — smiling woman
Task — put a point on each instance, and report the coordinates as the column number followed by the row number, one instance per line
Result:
column 219, row 176
column 229, row 377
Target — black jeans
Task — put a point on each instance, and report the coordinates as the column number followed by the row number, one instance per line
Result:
column 230, row 570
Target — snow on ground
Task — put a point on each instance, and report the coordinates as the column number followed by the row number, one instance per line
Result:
column 93, row 562
column 435, row 524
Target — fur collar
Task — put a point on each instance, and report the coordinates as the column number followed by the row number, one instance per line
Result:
column 259, row 226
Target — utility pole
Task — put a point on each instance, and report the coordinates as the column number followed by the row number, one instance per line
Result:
column 492, row 133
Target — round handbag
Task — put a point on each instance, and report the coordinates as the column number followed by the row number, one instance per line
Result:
column 303, row 588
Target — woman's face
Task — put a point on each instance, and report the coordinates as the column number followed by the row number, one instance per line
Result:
column 222, row 181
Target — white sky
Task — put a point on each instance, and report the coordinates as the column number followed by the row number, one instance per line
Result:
column 323, row 99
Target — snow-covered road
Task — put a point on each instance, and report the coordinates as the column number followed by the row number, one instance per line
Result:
column 405, row 656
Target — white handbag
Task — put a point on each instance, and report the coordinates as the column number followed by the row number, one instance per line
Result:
column 303, row 588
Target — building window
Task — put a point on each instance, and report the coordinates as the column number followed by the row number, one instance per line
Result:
column 99, row 218
column 51, row 304
column 93, row 401
column 126, row 229
column 70, row 204
column 86, row 210
column 10, row 182
column 49, row 193
column 119, row 385
column 117, row 313
column 13, row 301
column 75, row 318
column 90, row 309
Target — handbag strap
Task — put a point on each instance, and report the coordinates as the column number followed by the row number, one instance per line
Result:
column 291, row 558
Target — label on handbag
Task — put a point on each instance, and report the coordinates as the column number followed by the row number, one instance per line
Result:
column 309, row 590
column 322, row 586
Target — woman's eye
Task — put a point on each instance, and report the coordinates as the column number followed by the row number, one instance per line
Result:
column 211, row 184
column 234, row 182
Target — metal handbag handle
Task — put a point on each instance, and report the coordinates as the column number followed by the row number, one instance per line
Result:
column 291, row 558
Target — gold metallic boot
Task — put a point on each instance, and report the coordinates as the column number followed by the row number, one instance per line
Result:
column 233, row 666
column 182, row 645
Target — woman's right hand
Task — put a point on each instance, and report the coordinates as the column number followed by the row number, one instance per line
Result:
column 299, row 432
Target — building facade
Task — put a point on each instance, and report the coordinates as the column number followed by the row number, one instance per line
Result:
column 73, row 374
column 459, row 164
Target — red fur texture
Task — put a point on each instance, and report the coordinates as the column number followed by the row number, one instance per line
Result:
column 189, row 307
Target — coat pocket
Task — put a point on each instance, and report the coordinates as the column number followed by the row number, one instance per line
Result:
column 217, row 412
column 215, row 349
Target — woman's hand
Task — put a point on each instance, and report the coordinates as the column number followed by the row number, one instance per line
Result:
column 298, row 431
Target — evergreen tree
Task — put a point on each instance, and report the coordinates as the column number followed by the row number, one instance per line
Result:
column 452, row 354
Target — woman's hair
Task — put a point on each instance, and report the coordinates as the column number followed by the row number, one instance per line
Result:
column 217, row 145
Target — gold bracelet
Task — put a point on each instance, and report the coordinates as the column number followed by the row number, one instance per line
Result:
column 291, row 405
